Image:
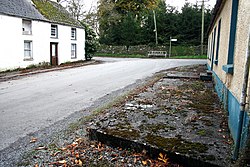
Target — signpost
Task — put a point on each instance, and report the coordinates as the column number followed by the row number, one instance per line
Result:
column 171, row 40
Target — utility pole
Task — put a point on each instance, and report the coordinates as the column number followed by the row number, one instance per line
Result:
column 169, row 54
column 202, row 27
column 155, row 30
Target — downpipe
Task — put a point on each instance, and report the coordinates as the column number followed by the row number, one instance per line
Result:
column 242, row 102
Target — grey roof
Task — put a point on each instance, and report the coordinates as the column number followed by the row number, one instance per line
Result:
column 44, row 10
column 20, row 8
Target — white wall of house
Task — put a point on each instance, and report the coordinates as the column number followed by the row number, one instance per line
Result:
column 12, row 43
column 64, row 44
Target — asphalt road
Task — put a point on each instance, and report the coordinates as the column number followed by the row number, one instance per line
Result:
column 34, row 102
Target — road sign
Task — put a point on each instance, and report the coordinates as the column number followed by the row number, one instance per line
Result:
column 173, row 40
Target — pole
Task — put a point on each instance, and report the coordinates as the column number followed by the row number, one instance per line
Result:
column 170, row 47
column 156, row 36
column 202, row 27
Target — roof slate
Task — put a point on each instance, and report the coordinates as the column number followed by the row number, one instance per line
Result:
column 43, row 10
column 20, row 8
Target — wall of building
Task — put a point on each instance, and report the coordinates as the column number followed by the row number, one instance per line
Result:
column 64, row 44
column 12, row 43
column 228, row 86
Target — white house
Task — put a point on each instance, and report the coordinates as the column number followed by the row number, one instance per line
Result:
column 36, row 31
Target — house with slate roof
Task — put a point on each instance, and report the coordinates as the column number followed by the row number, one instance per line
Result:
column 36, row 31
column 229, row 59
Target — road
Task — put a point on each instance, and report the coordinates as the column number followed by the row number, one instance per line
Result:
column 32, row 103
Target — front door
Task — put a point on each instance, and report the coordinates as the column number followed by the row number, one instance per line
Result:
column 54, row 54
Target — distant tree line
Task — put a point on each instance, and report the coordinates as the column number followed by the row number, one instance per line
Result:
column 131, row 22
column 123, row 22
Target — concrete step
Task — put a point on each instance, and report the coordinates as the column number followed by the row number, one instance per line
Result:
column 205, row 77
column 209, row 72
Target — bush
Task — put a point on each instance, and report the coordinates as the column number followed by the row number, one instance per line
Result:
column 91, row 43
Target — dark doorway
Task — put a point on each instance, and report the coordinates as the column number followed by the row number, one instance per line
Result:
column 54, row 54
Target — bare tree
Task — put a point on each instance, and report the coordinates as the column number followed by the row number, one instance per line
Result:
column 75, row 7
column 81, row 13
column 91, row 18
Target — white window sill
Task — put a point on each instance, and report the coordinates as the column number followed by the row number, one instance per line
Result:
column 28, row 59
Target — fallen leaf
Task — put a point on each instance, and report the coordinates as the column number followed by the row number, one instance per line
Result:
column 113, row 159
column 62, row 162
column 137, row 155
column 100, row 158
column 114, row 155
column 144, row 163
column 33, row 140
column 41, row 148
column 77, row 155
column 79, row 140
column 161, row 155
column 63, row 149
column 163, row 158
column 144, row 152
column 135, row 160
column 74, row 144
column 55, row 154
column 80, row 163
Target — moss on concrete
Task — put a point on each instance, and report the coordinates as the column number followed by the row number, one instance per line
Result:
column 130, row 134
column 156, row 127
column 203, row 101
column 176, row 144
column 202, row 132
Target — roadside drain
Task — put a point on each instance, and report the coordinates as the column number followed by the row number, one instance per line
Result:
column 151, row 151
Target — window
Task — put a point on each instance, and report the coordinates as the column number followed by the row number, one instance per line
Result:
column 73, row 51
column 54, row 31
column 27, row 50
column 229, row 67
column 218, row 44
column 26, row 26
column 73, row 33
column 213, row 47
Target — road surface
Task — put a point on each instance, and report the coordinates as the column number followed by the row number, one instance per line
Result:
column 32, row 103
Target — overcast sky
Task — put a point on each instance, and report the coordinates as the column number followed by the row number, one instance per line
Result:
column 177, row 3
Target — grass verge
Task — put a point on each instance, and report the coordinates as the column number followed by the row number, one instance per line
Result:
column 120, row 55
column 190, row 57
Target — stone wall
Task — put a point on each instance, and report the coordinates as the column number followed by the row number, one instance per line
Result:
column 143, row 50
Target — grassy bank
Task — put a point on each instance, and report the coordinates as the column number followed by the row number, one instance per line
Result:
column 144, row 56
column 190, row 57
column 120, row 55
